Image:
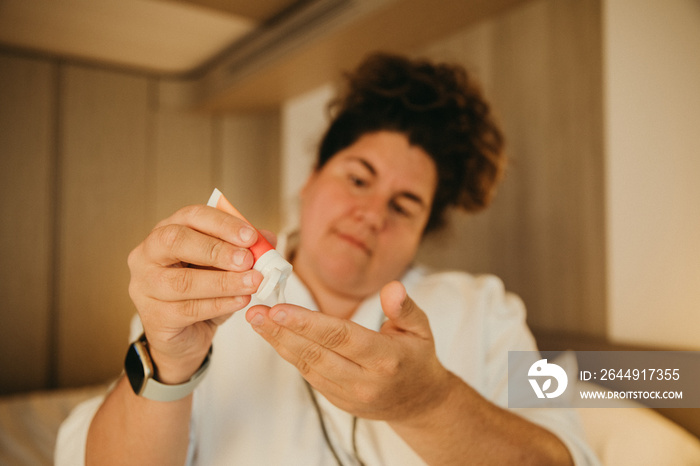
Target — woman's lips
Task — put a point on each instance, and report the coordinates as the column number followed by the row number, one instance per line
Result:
column 355, row 242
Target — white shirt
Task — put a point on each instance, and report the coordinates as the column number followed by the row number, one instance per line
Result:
column 253, row 407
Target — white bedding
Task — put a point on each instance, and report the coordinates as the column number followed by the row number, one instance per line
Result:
column 620, row 436
column 634, row 435
column 29, row 424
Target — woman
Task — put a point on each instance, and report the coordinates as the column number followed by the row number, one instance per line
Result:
column 400, row 366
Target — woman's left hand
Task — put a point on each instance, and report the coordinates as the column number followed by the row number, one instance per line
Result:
column 391, row 375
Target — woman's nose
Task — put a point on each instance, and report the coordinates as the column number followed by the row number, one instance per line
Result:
column 373, row 211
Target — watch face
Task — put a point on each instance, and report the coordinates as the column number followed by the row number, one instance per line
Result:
column 134, row 367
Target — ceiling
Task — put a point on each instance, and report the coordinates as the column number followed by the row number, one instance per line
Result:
column 232, row 54
column 161, row 36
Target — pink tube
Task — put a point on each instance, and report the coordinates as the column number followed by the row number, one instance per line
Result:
column 268, row 261
column 218, row 200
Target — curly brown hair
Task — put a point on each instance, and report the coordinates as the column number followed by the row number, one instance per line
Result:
column 440, row 109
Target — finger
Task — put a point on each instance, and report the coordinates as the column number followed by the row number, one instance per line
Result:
column 214, row 222
column 174, row 243
column 216, row 310
column 182, row 314
column 403, row 313
column 219, row 320
column 342, row 336
column 314, row 346
column 181, row 284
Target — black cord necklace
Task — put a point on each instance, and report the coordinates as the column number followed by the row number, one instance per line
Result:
column 322, row 423
column 324, row 430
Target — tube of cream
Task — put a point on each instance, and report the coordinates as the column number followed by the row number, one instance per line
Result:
column 268, row 261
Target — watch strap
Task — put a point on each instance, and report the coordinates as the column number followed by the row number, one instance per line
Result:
column 154, row 390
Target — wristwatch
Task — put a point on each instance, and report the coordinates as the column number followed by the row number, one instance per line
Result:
column 140, row 371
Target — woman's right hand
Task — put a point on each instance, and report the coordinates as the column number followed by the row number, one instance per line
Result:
column 191, row 273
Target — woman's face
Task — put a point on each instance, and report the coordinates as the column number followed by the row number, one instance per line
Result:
column 363, row 214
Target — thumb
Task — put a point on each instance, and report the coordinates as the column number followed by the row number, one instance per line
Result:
column 403, row 314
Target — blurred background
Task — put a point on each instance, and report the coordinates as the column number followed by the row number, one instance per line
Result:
column 113, row 114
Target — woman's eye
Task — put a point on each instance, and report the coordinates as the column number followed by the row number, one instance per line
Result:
column 396, row 207
column 357, row 181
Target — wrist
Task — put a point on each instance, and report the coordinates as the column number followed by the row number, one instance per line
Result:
column 172, row 371
column 435, row 406
column 141, row 372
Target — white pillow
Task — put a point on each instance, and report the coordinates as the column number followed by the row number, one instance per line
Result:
column 636, row 435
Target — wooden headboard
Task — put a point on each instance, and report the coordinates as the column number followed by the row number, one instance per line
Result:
column 688, row 418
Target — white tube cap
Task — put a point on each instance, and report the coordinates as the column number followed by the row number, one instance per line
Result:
column 275, row 271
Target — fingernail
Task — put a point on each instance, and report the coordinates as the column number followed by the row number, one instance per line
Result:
column 257, row 321
column 239, row 257
column 246, row 233
column 248, row 279
column 279, row 317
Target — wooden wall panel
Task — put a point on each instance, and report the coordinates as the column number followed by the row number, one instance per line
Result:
column 250, row 166
column 185, row 160
column 541, row 66
column 577, row 144
column 122, row 163
column 104, row 214
column 26, row 184
column 118, row 164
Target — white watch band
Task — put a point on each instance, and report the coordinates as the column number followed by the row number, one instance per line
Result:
column 140, row 370
column 154, row 390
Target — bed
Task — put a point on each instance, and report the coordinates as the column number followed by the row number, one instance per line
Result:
column 626, row 436
column 29, row 423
